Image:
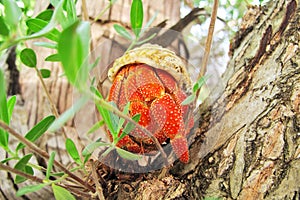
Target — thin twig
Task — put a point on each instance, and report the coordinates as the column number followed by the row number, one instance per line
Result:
column 84, row 11
column 43, row 154
column 208, row 43
column 53, row 107
column 20, row 173
column 99, row 189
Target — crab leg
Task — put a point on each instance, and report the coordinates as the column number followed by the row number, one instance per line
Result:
column 173, row 127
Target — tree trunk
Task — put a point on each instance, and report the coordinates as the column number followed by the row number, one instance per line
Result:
column 32, row 105
column 251, row 131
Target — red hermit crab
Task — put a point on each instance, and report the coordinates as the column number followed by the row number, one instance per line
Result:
column 154, row 80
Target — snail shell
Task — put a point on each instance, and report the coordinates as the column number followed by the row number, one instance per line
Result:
column 157, row 57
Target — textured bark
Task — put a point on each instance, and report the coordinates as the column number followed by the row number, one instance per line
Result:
column 32, row 103
column 246, row 142
column 251, row 132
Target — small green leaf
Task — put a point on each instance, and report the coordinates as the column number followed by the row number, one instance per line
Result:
column 45, row 15
column 27, row 170
column 114, row 119
column 128, row 155
column 90, row 148
column 58, row 123
column 46, row 44
column 10, row 105
column 189, row 99
column 28, row 57
column 61, row 193
column 105, row 114
column 69, row 7
column 54, row 3
column 3, row 30
column 96, row 126
column 200, row 82
column 122, row 120
column 136, row 16
column 36, row 25
column 50, row 165
column 129, row 126
column 37, row 131
column 122, row 31
column 29, row 189
column 151, row 20
column 4, row 114
column 147, row 39
column 53, row 58
column 73, row 49
column 72, row 150
column 21, row 166
column 46, row 73
column 12, row 13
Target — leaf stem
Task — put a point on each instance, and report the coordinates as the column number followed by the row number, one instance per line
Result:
column 99, row 189
column 53, row 107
column 44, row 154
column 20, row 173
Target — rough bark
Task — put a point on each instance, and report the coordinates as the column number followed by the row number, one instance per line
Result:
column 251, row 132
column 32, row 103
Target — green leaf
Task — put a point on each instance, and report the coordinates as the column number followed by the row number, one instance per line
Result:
column 147, row 39
column 28, row 57
column 29, row 189
column 90, row 148
column 53, row 58
column 96, row 126
column 12, row 13
column 36, row 25
column 3, row 30
column 54, row 3
column 136, row 16
column 45, row 15
column 37, row 131
column 50, row 165
column 72, row 150
column 128, row 155
column 105, row 114
column 122, row 31
column 46, row 44
column 21, row 179
column 49, row 27
column 114, row 119
column 129, row 126
column 10, row 105
column 61, row 193
column 4, row 114
column 188, row 99
column 69, row 7
column 73, row 49
column 200, row 83
column 58, row 123
column 122, row 120
column 21, row 165
column 46, row 73
column 151, row 20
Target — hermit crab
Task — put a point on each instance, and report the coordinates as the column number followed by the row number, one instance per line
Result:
column 155, row 82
